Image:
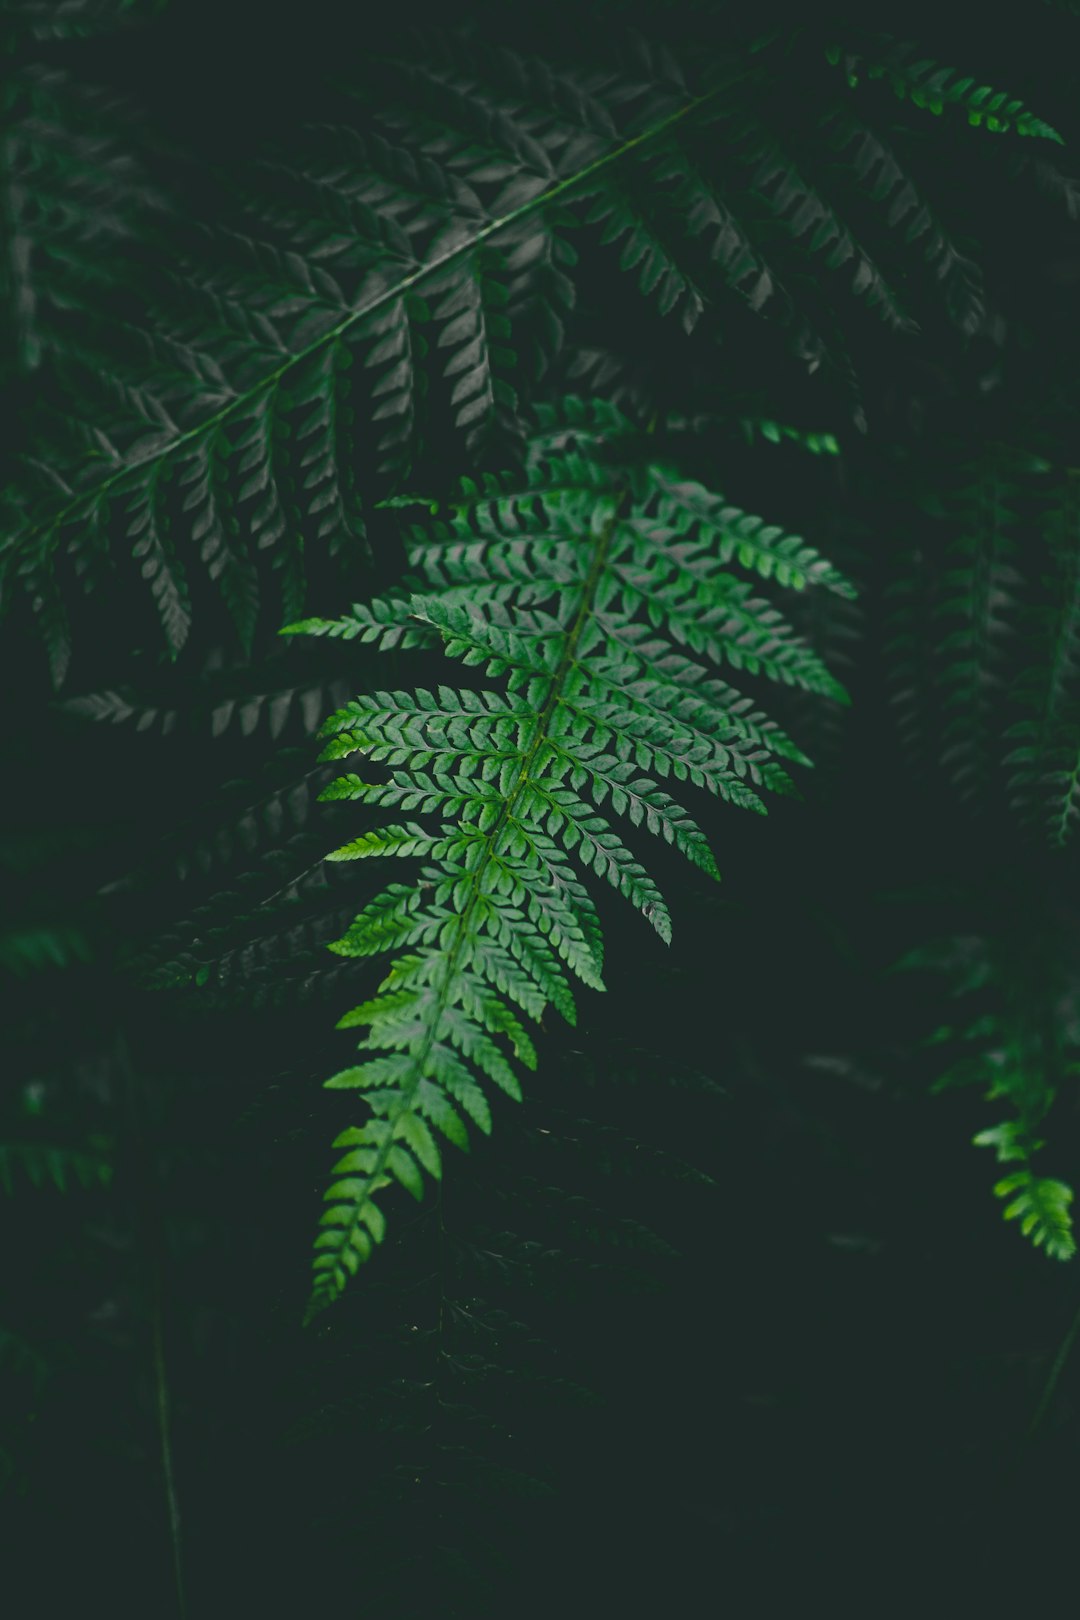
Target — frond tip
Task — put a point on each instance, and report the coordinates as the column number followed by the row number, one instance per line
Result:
column 929, row 85
column 596, row 590
column 1014, row 1033
column 1039, row 1203
column 1042, row 1207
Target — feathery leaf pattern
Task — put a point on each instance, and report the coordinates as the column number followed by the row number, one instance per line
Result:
column 595, row 589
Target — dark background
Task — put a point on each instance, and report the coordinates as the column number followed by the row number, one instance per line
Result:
column 809, row 1380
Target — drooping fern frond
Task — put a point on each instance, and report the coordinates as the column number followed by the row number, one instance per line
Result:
column 928, row 84
column 71, row 191
column 1040, row 1203
column 1015, row 1033
column 231, row 396
column 977, row 584
column 237, row 411
column 811, row 220
column 1045, row 782
column 863, row 153
column 956, row 604
column 223, row 698
column 597, row 585
column 983, row 623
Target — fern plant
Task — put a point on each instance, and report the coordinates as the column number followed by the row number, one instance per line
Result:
column 228, row 400
column 1015, row 1033
column 933, row 86
column 1045, row 780
column 981, row 620
column 598, row 586
column 228, row 377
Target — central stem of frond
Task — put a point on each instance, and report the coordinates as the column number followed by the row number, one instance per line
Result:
column 493, row 838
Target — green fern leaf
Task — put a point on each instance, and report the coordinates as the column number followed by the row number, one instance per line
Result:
column 1042, row 1208
column 1045, row 781
column 230, row 392
column 929, row 85
column 1014, row 1036
column 977, row 589
column 570, row 583
column 865, row 155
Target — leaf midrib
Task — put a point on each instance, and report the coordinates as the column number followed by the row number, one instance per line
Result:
column 540, row 737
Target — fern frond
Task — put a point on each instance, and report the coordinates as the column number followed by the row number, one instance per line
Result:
column 1014, row 1033
column 220, row 702
column 230, row 388
column 295, row 330
column 1042, row 1208
column 71, row 190
column 978, row 573
column 928, row 84
column 1046, row 780
column 576, row 582
column 864, row 154
column 811, row 221
column 983, row 631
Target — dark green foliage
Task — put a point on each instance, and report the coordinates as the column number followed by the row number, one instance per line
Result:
column 976, row 580
column 229, row 398
column 579, row 581
column 981, row 629
column 42, row 1164
column 1046, row 759
column 503, row 325
column 1014, row 1031
column 930, row 85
